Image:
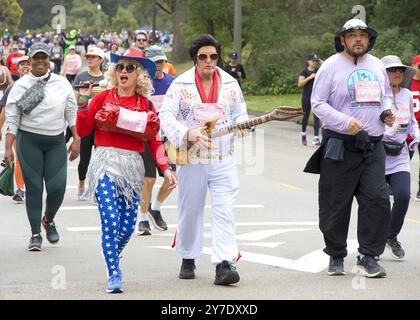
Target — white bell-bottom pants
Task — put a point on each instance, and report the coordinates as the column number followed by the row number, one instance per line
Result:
column 222, row 180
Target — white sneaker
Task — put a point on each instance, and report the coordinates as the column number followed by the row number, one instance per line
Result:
column 80, row 193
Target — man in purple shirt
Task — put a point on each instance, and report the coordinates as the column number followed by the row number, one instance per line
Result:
column 352, row 97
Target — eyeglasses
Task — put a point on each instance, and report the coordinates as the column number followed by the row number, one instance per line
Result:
column 395, row 69
column 204, row 57
column 129, row 67
column 142, row 40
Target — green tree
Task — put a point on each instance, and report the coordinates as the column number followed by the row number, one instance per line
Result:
column 124, row 19
column 84, row 15
column 10, row 15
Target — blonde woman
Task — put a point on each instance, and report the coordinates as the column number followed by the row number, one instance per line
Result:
column 116, row 170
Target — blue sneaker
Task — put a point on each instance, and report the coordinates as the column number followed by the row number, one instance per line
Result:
column 114, row 284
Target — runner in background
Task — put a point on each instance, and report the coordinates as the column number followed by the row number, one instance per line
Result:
column 415, row 90
column 161, row 83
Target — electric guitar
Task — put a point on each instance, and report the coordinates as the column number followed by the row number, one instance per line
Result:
column 180, row 156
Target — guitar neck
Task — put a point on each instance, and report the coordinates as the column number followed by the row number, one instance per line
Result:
column 243, row 125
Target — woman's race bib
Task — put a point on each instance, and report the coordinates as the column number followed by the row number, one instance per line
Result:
column 402, row 117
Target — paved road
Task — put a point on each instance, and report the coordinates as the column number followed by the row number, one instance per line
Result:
column 277, row 233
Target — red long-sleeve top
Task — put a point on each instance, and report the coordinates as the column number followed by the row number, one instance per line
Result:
column 85, row 124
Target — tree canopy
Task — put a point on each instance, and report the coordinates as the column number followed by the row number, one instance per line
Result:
column 10, row 15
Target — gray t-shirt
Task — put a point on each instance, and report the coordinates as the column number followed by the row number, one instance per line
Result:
column 83, row 77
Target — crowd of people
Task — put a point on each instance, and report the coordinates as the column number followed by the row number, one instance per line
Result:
column 121, row 112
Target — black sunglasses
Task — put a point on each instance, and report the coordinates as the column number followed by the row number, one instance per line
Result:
column 129, row 67
column 203, row 56
column 142, row 40
column 395, row 69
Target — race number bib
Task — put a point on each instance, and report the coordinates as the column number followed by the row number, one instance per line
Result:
column 204, row 112
column 402, row 117
column 367, row 91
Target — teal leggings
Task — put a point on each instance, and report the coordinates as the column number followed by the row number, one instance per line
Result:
column 42, row 158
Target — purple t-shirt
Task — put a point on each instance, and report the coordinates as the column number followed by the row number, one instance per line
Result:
column 404, row 117
column 162, row 85
column 343, row 90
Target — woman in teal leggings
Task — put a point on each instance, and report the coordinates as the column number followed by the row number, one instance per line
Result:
column 39, row 135
column 42, row 157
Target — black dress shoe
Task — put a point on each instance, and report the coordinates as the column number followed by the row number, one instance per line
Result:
column 187, row 269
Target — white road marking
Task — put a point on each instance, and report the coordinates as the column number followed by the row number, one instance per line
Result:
column 263, row 234
column 253, row 244
column 292, row 187
column 271, row 245
column 313, row 262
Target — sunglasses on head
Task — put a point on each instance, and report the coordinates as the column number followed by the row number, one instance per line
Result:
column 204, row 57
column 129, row 67
column 395, row 69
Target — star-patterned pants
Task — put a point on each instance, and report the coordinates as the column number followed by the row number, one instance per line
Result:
column 118, row 220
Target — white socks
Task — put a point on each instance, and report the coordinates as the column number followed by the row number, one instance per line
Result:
column 144, row 216
column 156, row 205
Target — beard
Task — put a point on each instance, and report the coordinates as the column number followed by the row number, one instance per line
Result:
column 355, row 52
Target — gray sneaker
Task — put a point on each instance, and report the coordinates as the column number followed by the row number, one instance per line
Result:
column 35, row 243
column 19, row 196
column 51, row 230
column 368, row 267
column 144, row 229
column 157, row 219
column 395, row 248
column 336, row 266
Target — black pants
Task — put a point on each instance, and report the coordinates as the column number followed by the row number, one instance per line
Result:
column 338, row 183
column 150, row 166
column 86, row 144
column 400, row 185
column 306, row 107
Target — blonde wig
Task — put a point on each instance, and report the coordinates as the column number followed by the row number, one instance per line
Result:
column 144, row 85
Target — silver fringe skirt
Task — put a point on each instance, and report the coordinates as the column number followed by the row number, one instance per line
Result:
column 124, row 167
